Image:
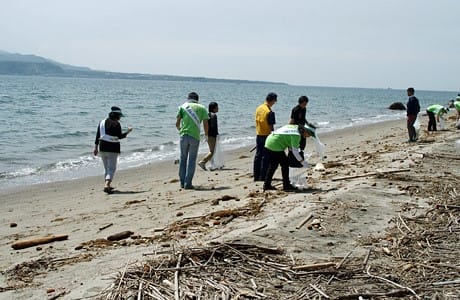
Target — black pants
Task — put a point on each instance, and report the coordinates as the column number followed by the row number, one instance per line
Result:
column 431, row 121
column 276, row 158
column 260, row 159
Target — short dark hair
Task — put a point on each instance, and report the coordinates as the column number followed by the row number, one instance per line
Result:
column 193, row 96
column 271, row 97
column 212, row 106
column 303, row 99
column 411, row 90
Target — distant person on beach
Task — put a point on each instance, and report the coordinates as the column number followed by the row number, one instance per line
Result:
column 435, row 113
column 298, row 117
column 413, row 108
column 286, row 137
column 265, row 121
column 213, row 131
column 189, row 117
column 457, row 106
column 107, row 144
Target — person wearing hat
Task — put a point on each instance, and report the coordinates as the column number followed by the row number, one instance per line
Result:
column 265, row 121
column 107, row 144
column 435, row 112
column 188, row 119
column 286, row 137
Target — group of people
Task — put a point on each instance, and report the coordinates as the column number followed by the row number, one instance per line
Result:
column 271, row 144
column 270, row 149
column 435, row 112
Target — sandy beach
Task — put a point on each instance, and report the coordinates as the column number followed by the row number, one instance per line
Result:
column 362, row 188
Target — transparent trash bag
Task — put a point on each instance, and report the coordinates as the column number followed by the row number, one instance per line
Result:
column 417, row 128
column 298, row 177
column 217, row 160
column 442, row 125
column 320, row 147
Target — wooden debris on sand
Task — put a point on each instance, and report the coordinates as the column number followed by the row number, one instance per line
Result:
column 423, row 264
column 38, row 241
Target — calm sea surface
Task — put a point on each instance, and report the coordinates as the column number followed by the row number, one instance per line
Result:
column 48, row 125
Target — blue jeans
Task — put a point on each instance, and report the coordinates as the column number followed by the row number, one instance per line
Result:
column 187, row 164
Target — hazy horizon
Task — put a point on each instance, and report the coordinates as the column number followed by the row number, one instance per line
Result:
column 368, row 44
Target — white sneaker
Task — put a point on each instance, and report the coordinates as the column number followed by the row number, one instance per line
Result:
column 202, row 165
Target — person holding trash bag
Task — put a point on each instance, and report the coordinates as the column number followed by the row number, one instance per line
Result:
column 288, row 137
column 413, row 108
column 435, row 112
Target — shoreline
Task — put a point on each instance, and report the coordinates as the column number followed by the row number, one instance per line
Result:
column 164, row 163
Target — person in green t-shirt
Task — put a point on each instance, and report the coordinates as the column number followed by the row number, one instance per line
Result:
column 435, row 112
column 287, row 136
column 189, row 117
column 457, row 106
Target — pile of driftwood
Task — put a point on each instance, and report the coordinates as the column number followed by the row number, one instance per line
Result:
column 418, row 258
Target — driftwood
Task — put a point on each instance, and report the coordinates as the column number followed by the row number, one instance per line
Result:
column 120, row 236
column 105, row 226
column 314, row 266
column 369, row 174
column 38, row 241
column 304, row 221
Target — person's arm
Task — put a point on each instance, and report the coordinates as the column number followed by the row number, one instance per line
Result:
column 178, row 119
column 297, row 155
column 205, row 127
column 271, row 120
column 96, row 142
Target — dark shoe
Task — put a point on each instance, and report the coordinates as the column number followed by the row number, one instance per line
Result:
column 269, row 188
column 290, row 188
column 108, row 190
column 202, row 165
column 189, row 187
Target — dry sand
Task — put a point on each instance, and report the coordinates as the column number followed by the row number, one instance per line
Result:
column 149, row 199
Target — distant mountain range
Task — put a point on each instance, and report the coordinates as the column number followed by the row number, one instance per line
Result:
column 32, row 65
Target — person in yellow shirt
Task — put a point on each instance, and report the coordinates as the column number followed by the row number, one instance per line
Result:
column 265, row 121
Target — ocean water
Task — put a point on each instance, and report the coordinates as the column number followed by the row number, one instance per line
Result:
column 48, row 125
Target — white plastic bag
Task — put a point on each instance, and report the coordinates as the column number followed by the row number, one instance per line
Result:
column 217, row 160
column 417, row 128
column 441, row 123
column 298, row 178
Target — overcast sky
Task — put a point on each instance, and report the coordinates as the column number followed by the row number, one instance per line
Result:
column 347, row 43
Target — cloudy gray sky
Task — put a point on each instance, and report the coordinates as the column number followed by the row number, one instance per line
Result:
column 348, row 43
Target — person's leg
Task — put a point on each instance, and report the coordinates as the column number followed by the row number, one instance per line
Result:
column 260, row 145
column 109, row 160
column 264, row 162
column 303, row 143
column 192, row 155
column 212, row 147
column 184, row 149
column 273, row 162
column 284, row 162
column 410, row 127
column 431, row 121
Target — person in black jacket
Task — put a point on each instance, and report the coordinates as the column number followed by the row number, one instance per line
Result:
column 298, row 117
column 107, row 144
column 213, row 132
column 413, row 108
